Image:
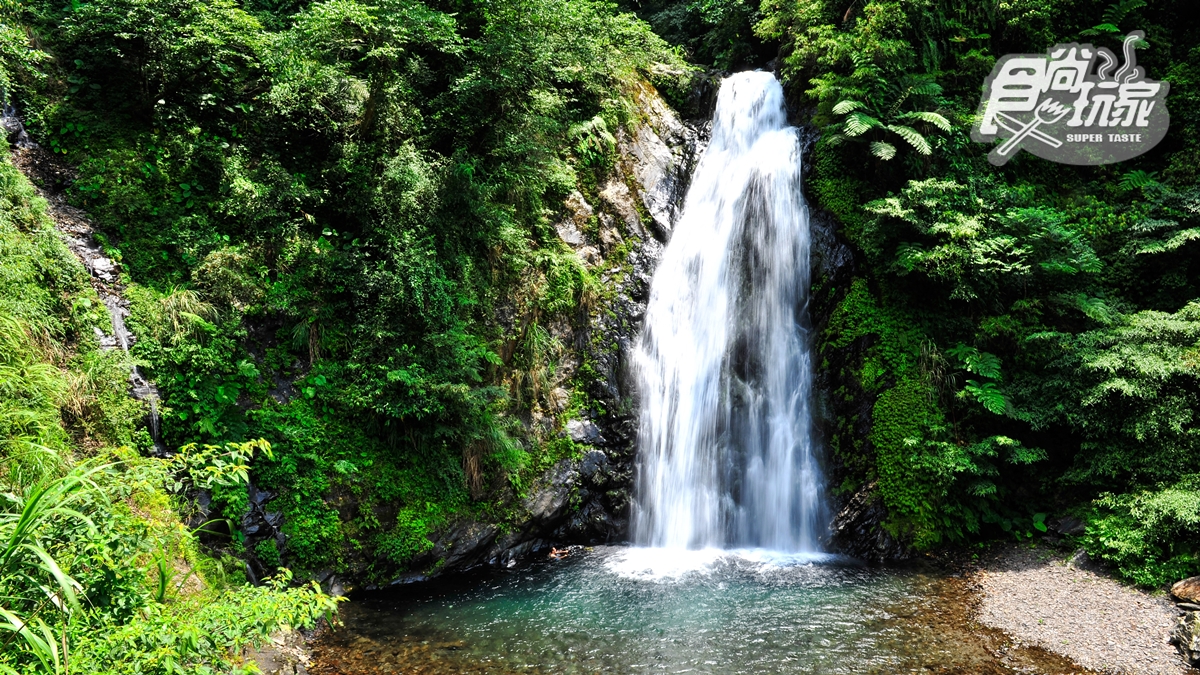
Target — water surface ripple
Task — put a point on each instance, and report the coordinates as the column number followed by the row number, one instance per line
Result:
column 630, row 610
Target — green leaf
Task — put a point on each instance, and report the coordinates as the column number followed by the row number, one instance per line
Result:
column 925, row 89
column 988, row 395
column 858, row 123
column 1095, row 308
column 884, row 151
column 1101, row 29
column 930, row 117
column 1138, row 179
column 913, row 137
column 844, row 107
column 835, row 139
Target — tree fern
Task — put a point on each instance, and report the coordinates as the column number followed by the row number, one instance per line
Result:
column 1138, row 179
column 1117, row 11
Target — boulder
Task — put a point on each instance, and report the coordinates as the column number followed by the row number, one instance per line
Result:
column 466, row 544
column 1186, row 637
column 584, row 431
column 550, row 499
column 1187, row 590
column 1067, row 526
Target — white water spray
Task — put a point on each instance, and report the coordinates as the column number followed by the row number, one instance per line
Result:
column 725, row 442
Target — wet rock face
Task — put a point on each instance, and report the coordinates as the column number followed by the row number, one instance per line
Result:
column 857, row 529
column 640, row 204
column 660, row 155
column 14, row 130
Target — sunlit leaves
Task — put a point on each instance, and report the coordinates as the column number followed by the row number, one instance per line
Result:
column 884, row 151
column 931, row 117
column 206, row 466
column 858, row 123
column 846, row 106
column 988, row 394
column 912, row 137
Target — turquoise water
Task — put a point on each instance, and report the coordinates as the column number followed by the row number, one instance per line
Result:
column 630, row 610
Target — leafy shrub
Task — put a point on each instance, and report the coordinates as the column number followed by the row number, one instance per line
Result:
column 1151, row 537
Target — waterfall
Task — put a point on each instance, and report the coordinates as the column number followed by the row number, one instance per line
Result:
column 726, row 456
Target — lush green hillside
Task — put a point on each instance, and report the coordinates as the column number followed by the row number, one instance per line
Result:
column 97, row 574
column 322, row 210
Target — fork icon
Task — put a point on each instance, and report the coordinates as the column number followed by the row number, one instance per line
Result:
column 1048, row 113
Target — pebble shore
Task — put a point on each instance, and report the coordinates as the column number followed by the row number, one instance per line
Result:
column 1039, row 597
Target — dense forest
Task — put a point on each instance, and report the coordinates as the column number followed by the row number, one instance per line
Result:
column 334, row 223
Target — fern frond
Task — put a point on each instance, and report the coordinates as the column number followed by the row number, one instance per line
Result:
column 989, row 395
column 1175, row 241
column 1095, row 308
column 846, row 106
column 913, row 137
column 1137, row 179
column 858, row 123
column 1101, row 29
column 1120, row 9
column 930, row 117
column 884, row 151
column 835, row 139
column 925, row 89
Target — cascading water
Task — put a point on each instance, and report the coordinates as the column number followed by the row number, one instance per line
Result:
column 725, row 443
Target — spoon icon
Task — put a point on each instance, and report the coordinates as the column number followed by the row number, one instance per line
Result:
column 1048, row 113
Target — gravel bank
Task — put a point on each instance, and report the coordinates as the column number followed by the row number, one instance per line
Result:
column 1034, row 595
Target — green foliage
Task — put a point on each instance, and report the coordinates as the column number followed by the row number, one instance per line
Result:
column 199, row 637
column 716, row 33
column 209, row 466
column 1138, row 387
column 97, row 574
column 1063, row 298
column 864, row 120
column 335, row 220
column 1149, row 536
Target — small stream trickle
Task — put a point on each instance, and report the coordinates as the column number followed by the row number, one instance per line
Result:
column 141, row 388
column 78, row 233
